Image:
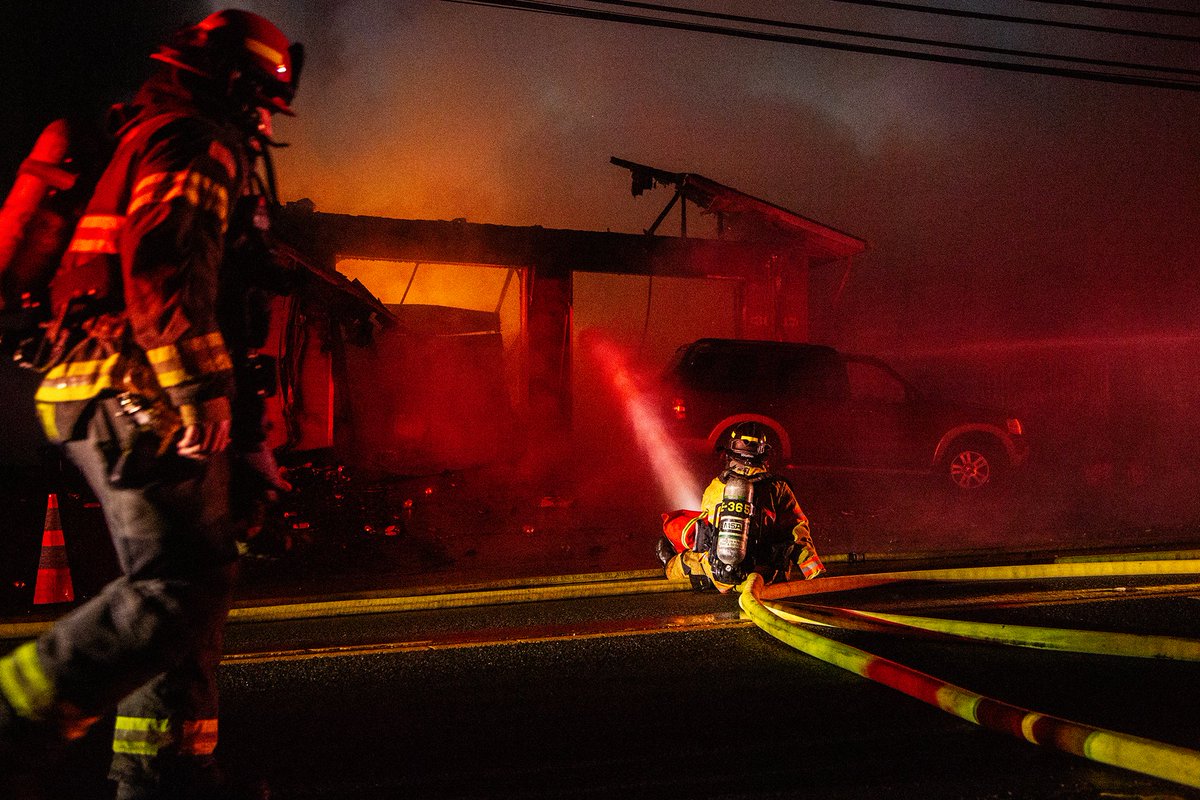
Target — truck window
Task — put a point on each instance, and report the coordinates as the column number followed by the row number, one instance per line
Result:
column 726, row 369
column 816, row 376
column 869, row 383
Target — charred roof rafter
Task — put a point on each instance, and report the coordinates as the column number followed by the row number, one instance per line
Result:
column 722, row 201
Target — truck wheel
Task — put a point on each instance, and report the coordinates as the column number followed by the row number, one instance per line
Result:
column 973, row 466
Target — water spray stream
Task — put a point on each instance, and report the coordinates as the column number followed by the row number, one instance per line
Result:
column 678, row 484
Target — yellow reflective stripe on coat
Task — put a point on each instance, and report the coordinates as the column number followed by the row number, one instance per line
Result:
column 48, row 416
column 197, row 190
column 189, row 359
column 142, row 736
column 25, row 685
column 96, row 233
column 149, row 736
column 77, row 380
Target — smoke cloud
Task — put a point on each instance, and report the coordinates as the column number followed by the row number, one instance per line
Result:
column 1034, row 240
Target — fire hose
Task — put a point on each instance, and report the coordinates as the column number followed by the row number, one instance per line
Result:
column 1157, row 759
column 790, row 624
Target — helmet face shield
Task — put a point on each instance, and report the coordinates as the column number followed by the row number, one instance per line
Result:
column 296, row 52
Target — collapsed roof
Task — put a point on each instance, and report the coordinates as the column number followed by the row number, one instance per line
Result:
column 740, row 215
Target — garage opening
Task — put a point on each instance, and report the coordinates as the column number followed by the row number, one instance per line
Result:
column 438, row 390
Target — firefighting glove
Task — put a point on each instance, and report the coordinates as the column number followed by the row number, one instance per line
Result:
column 260, row 468
column 206, row 428
column 664, row 550
column 722, row 573
column 779, row 568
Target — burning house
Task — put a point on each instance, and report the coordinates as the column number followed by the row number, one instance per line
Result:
column 475, row 328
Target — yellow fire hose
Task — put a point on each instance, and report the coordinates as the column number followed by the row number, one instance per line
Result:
column 1169, row 762
column 1073, row 641
column 1071, row 569
column 1157, row 759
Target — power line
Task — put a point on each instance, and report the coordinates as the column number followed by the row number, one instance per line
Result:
column 1075, row 26
column 1093, row 62
column 632, row 19
column 1127, row 7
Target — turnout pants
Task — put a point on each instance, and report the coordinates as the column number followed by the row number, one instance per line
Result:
column 149, row 643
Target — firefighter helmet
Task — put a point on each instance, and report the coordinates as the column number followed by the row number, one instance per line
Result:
column 261, row 66
column 748, row 443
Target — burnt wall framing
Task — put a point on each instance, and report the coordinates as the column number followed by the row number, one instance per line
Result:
column 551, row 256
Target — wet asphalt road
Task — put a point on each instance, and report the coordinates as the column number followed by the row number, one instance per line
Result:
column 668, row 695
column 574, row 703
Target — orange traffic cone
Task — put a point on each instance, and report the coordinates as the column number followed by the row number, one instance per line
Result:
column 54, row 576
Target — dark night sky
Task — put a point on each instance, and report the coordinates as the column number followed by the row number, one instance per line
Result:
column 996, row 204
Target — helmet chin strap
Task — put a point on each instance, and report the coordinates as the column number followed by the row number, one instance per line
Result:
column 266, row 130
column 259, row 134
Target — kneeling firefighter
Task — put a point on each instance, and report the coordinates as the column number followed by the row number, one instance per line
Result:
column 750, row 522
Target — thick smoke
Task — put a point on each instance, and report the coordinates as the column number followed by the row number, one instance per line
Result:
column 1033, row 240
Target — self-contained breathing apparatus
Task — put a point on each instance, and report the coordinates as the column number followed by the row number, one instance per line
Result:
column 750, row 522
column 37, row 222
column 734, row 523
column 736, row 544
column 235, row 55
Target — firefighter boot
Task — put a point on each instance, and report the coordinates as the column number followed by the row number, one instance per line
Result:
column 664, row 550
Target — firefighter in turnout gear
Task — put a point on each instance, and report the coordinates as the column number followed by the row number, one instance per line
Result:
column 750, row 522
column 147, row 381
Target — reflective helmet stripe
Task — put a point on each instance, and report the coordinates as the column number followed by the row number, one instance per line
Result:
column 273, row 56
column 242, row 40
